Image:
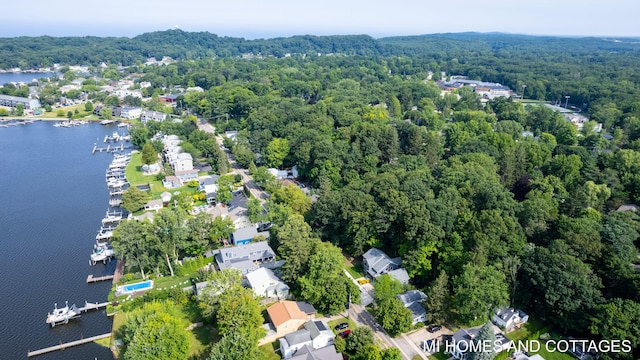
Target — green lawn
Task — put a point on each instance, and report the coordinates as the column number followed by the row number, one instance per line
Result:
column 530, row 329
column 332, row 323
column 355, row 271
column 553, row 355
column 268, row 350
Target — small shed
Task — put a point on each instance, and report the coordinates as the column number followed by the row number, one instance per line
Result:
column 166, row 197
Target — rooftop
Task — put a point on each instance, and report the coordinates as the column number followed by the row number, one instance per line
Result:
column 284, row 311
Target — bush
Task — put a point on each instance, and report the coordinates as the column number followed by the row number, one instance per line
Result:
column 192, row 266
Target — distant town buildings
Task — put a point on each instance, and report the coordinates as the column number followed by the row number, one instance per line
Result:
column 486, row 90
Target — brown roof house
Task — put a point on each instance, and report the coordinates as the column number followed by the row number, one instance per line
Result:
column 286, row 317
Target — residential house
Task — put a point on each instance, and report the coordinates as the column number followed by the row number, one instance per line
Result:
column 462, row 338
column 169, row 99
column 231, row 135
column 244, row 235
column 309, row 353
column 208, row 184
column 187, row 175
column 509, row 317
column 211, row 198
column 153, row 205
column 130, row 112
column 245, row 258
column 291, row 173
column 147, row 115
column 400, row 274
column 286, row 317
column 183, row 161
column 171, row 182
column 316, row 334
column 376, row 262
column 412, row 300
column 265, row 283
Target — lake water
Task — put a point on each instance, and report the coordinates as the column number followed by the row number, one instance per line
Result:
column 54, row 196
column 23, row 77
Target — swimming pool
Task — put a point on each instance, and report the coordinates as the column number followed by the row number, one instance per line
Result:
column 141, row 286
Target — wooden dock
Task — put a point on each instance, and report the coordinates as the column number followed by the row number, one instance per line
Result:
column 119, row 271
column 92, row 306
column 92, row 279
column 67, row 345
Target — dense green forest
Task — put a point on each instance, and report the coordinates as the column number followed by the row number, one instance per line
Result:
column 475, row 207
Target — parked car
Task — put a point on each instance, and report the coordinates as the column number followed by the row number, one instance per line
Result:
column 434, row 328
column 345, row 333
column 342, row 326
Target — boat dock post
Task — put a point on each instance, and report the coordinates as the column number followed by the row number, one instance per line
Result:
column 67, row 345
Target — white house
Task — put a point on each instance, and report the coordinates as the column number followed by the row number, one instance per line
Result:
column 182, row 162
column 265, row 283
column 130, row 112
column 316, row 333
column 152, row 115
column 153, row 205
column 509, row 317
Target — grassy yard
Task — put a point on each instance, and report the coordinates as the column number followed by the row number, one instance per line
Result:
column 528, row 331
column 134, row 175
column 332, row 323
column 81, row 115
column 355, row 271
column 269, row 351
column 553, row 355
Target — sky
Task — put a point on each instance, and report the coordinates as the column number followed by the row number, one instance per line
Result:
column 253, row 19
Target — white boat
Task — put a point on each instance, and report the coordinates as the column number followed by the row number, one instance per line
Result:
column 102, row 253
column 104, row 234
column 62, row 315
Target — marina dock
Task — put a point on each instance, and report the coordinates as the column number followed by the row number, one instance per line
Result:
column 92, row 306
column 92, row 279
column 67, row 345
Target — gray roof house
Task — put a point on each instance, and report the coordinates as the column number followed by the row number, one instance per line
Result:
column 265, row 283
column 462, row 338
column 412, row 300
column 309, row 353
column 245, row 258
column 375, row 263
column 316, row 335
column 509, row 317
column 244, row 235
column 400, row 275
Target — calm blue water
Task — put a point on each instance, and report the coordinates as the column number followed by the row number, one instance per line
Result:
column 53, row 195
column 138, row 286
column 23, row 77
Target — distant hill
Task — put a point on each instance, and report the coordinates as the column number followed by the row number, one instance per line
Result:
column 28, row 52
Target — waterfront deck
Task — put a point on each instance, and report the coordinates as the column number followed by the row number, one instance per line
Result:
column 92, row 279
column 67, row 345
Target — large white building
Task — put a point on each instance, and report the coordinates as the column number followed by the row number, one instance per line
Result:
column 13, row 101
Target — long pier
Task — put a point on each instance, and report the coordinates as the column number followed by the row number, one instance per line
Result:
column 92, row 306
column 67, row 345
column 92, row 279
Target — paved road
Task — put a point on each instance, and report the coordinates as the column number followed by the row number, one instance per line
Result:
column 253, row 188
column 364, row 318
